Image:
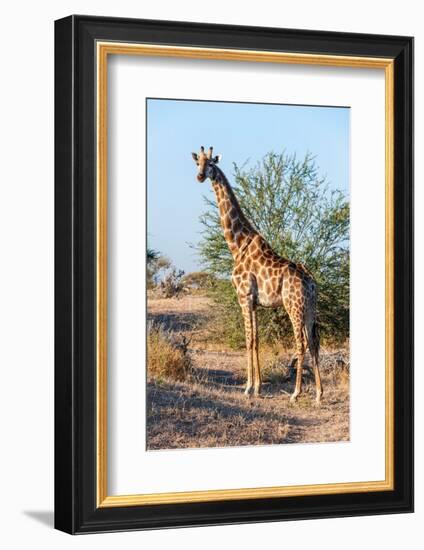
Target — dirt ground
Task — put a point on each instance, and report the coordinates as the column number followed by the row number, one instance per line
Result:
column 209, row 409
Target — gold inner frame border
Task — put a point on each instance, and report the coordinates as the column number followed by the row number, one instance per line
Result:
column 103, row 50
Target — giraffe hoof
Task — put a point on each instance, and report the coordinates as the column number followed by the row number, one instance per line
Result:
column 293, row 398
column 318, row 394
column 248, row 391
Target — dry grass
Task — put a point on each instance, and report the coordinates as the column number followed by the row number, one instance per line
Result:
column 167, row 357
column 207, row 407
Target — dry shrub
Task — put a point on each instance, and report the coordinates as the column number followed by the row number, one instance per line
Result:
column 172, row 285
column 279, row 367
column 274, row 368
column 342, row 380
column 167, row 355
column 340, row 375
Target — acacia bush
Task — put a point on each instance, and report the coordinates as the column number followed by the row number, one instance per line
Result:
column 304, row 220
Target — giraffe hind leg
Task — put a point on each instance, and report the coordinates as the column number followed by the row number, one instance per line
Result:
column 300, row 354
column 313, row 343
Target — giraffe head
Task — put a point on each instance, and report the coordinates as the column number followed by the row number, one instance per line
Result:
column 206, row 163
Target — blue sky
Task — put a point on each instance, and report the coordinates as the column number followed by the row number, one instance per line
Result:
column 240, row 132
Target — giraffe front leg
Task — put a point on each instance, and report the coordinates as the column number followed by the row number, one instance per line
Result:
column 249, row 385
column 257, row 380
column 247, row 309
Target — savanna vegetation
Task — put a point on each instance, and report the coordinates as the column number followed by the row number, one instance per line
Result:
column 304, row 220
column 196, row 361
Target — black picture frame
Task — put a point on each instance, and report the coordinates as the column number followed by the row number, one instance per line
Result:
column 76, row 508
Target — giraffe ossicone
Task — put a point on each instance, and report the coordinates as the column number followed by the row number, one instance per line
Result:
column 263, row 278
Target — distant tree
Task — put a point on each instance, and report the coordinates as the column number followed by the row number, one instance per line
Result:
column 151, row 255
column 156, row 263
column 305, row 221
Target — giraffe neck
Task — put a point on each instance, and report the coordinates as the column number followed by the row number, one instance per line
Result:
column 238, row 231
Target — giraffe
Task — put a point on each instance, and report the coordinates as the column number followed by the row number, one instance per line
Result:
column 263, row 278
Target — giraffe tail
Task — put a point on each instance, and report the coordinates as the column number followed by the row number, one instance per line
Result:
column 313, row 339
column 316, row 340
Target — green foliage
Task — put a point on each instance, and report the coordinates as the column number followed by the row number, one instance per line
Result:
column 305, row 221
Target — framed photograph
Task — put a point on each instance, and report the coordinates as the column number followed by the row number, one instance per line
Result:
column 234, row 274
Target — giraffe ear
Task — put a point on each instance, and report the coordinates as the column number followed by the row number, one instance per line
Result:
column 195, row 157
column 217, row 159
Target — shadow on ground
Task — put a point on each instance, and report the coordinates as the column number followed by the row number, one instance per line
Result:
column 46, row 517
column 216, row 418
